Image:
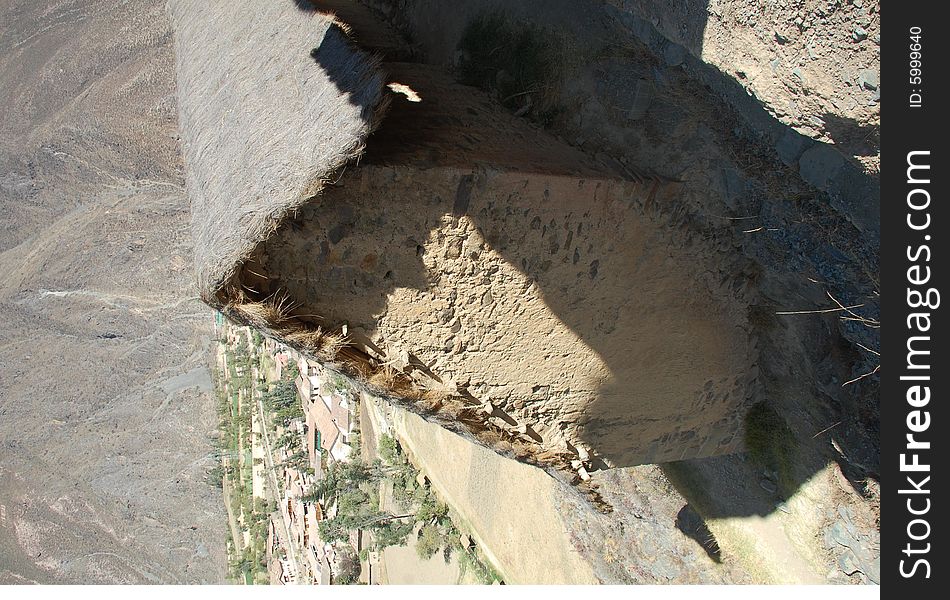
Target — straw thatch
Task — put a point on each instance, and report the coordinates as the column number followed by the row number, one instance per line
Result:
column 273, row 100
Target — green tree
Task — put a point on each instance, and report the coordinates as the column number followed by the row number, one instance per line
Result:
column 429, row 541
column 346, row 566
column 432, row 510
column 351, row 485
column 282, row 400
column 389, row 450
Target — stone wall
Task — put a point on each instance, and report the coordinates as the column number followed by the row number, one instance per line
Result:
column 560, row 300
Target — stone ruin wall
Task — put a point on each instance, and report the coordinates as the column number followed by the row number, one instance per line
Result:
column 555, row 298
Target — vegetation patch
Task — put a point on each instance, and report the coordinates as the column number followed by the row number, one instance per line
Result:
column 519, row 63
column 483, row 572
column 771, row 444
column 234, row 391
column 354, row 487
column 437, row 532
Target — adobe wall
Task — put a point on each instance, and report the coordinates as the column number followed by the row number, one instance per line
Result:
column 569, row 303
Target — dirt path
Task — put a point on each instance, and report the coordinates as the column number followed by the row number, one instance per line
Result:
column 404, row 567
column 768, row 548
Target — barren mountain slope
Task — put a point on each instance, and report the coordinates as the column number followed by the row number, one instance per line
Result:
column 105, row 415
column 814, row 64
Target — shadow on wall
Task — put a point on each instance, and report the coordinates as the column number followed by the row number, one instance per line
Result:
column 850, row 190
column 853, row 137
column 438, row 30
column 692, row 524
column 684, row 21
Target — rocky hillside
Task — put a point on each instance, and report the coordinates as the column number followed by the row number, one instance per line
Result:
column 105, row 419
column 814, row 64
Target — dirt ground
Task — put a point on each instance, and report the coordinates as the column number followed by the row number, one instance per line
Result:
column 813, row 64
column 106, row 415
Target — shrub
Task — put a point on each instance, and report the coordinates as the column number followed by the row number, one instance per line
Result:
column 771, row 443
column 432, row 510
column 429, row 542
column 389, row 450
column 519, row 63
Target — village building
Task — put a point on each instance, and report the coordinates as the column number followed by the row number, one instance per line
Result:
column 302, row 516
column 278, row 566
column 329, row 417
column 326, row 429
column 282, row 359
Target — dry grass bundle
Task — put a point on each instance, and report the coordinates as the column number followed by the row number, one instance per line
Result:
column 521, row 450
column 273, row 312
column 432, row 400
column 274, row 315
column 330, row 345
column 452, row 409
column 503, row 447
column 436, row 396
column 384, row 378
column 396, row 382
column 362, row 370
column 323, row 345
column 489, row 437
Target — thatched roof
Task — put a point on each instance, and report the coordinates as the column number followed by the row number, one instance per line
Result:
column 273, row 100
